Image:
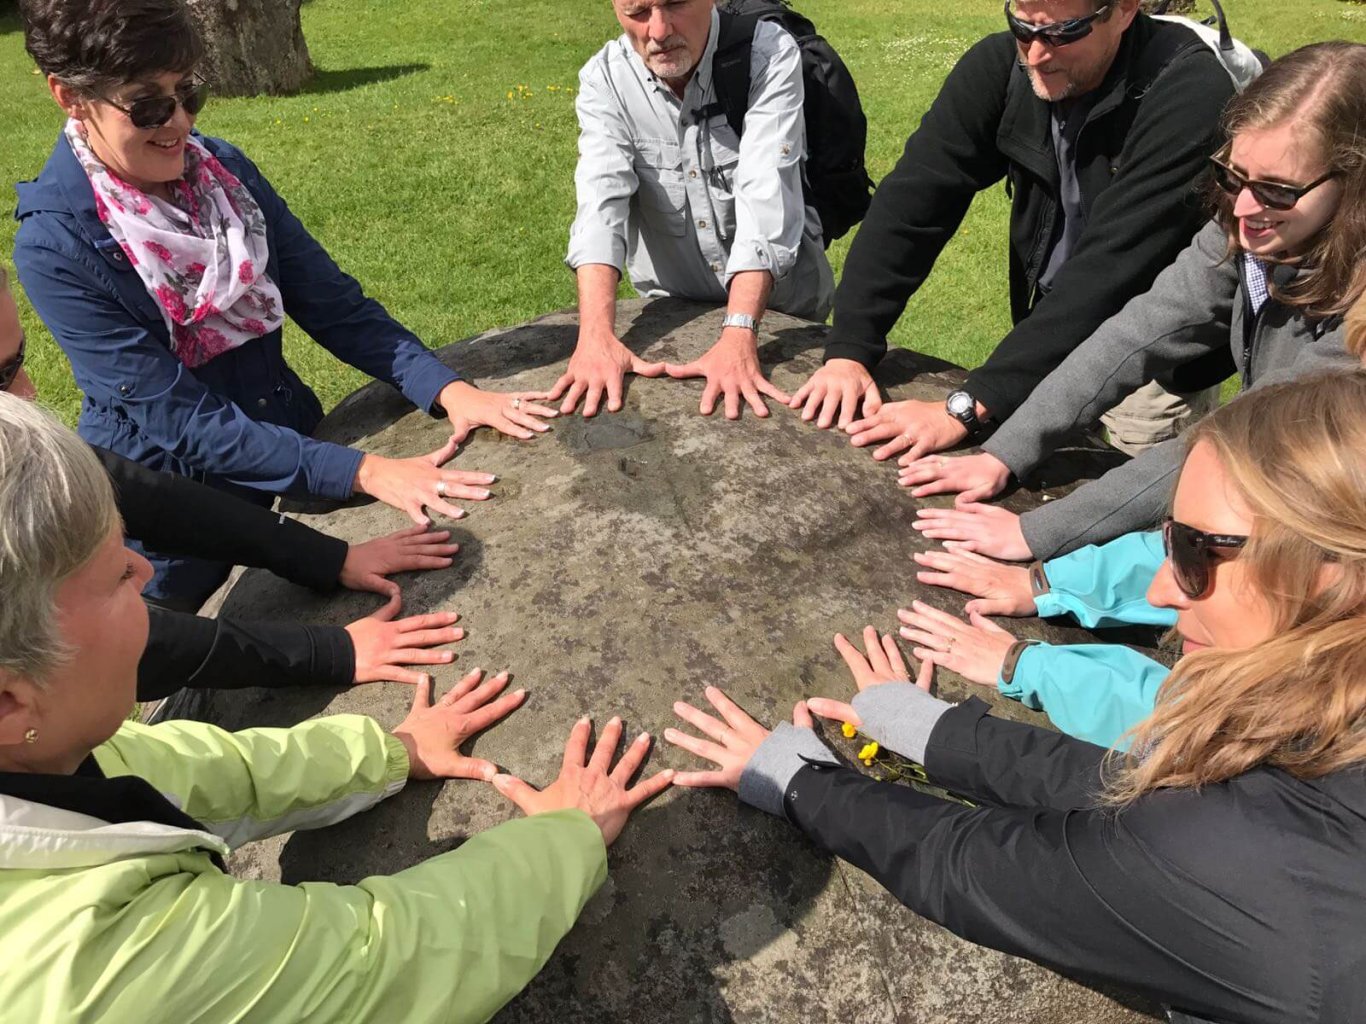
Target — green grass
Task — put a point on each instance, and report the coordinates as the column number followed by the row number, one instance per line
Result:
column 434, row 154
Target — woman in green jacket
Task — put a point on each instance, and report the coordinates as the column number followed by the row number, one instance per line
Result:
column 114, row 902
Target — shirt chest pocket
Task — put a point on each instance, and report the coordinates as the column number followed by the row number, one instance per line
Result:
column 724, row 146
column 660, row 192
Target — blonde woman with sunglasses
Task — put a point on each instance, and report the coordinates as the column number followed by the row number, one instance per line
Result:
column 1217, row 866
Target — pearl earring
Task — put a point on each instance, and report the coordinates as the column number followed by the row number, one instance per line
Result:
column 31, row 736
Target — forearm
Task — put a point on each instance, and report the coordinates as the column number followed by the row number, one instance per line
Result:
column 1131, row 497
column 749, row 292
column 201, row 653
column 597, row 287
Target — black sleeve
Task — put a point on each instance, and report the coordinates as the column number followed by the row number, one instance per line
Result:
column 1011, row 764
column 1180, row 900
column 174, row 515
column 223, row 654
column 1146, row 216
column 917, row 208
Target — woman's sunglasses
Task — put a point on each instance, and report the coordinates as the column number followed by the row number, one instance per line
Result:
column 11, row 367
column 1191, row 552
column 1271, row 194
column 155, row 111
column 1055, row 33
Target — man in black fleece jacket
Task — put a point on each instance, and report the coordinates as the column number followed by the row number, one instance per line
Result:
column 1101, row 141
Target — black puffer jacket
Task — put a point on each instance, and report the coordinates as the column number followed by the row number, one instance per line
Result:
column 1144, row 145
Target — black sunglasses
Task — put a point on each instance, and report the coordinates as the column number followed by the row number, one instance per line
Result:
column 155, row 111
column 11, row 367
column 1271, row 194
column 1054, row 33
column 1190, row 552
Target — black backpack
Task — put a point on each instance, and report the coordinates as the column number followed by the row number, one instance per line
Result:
column 835, row 179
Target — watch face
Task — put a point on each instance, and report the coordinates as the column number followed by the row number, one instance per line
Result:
column 960, row 402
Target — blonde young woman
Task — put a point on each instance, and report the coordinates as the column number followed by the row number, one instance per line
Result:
column 1219, row 867
column 115, row 905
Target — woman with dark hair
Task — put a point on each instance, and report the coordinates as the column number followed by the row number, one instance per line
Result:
column 1270, row 277
column 1217, row 866
column 164, row 264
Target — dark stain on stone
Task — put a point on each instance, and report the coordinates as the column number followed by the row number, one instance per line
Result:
column 625, row 429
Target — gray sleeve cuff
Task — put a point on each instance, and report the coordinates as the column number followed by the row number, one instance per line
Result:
column 900, row 716
column 765, row 779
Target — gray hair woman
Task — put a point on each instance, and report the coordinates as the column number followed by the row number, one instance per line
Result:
column 113, row 894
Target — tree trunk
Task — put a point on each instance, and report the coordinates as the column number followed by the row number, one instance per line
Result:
column 253, row 46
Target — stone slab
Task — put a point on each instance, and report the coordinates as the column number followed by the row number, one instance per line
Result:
column 627, row 561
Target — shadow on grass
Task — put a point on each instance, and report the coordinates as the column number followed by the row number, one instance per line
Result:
column 345, row 79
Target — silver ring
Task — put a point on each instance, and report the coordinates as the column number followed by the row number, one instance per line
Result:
column 516, row 403
column 441, row 488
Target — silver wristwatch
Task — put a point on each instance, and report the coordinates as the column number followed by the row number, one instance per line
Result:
column 744, row 320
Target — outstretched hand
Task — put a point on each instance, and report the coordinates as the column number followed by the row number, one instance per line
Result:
column 836, row 390
column 368, row 564
column 384, row 645
column 731, row 740
column 975, row 649
column 420, row 483
column 972, row 477
column 997, row 588
column 434, row 733
column 513, row 413
column 732, row 369
column 599, row 367
column 591, row 784
column 882, row 663
column 986, row 529
column 916, row 428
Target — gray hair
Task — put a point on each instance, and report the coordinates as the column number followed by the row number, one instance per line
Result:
column 56, row 508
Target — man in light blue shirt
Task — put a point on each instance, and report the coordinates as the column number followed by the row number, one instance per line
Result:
column 667, row 190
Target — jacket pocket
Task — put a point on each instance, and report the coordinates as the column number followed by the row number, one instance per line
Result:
column 660, row 194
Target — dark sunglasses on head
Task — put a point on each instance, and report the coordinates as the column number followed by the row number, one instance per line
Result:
column 1054, row 33
column 1271, row 194
column 1191, row 552
column 11, row 367
column 155, row 111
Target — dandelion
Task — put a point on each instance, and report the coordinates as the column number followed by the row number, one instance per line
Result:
column 848, row 731
column 868, row 752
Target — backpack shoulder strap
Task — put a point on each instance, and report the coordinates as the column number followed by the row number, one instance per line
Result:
column 730, row 66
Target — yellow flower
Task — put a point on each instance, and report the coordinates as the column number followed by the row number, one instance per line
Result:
column 848, row 731
column 868, row 762
column 869, row 752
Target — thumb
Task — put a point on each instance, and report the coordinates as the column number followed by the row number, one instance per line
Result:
column 678, row 371
column 379, row 585
column 422, row 694
column 446, row 452
column 643, row 369
column 801, row 716
column 470, row 768
column 925, row 677
column 985, row 624
column 872, row 400
column 982, row 607
column 519, row 792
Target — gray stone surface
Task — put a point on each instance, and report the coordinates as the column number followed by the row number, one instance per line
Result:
column 627, row 561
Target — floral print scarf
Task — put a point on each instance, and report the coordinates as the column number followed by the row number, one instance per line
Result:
column 202, row 257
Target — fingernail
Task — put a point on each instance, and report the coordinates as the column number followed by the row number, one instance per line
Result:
column 493, row 478
column 616, row 720
column 499, row 780
column 490, row 773
column 643, row 738
column 519, row 693
column 669, row 773
column 486, row 494
column 447, row 656
column 459, row 514
column 585, row 720
column 502, row 675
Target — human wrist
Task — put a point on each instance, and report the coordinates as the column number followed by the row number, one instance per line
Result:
column 370, row 467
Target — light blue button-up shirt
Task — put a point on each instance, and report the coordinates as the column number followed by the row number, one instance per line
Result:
column 680, row 201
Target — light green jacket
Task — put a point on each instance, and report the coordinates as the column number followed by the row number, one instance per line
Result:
column 130, row 923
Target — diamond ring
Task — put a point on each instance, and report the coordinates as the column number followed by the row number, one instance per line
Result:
column 516, row 403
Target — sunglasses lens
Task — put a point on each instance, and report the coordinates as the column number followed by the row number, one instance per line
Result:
column 1189, row 564
column 1277, row 197
column 193, row 99
column 1227, row 180
column 152, row 112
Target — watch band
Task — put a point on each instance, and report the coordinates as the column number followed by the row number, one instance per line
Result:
column 744, row 320
column 1038, row 579
column 1013, row 659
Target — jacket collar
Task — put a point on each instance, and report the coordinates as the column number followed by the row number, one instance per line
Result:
column 51, row 822
column 63, row 187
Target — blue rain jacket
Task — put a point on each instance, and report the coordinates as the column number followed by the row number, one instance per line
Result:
column 240, row 422
column 1096, row 692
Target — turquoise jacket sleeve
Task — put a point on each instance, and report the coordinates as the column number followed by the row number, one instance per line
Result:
column 1107, row 585
column 1095, row 692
